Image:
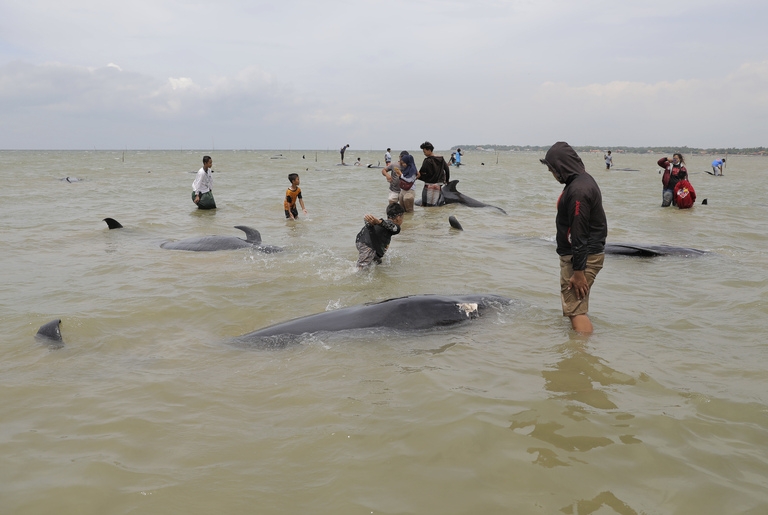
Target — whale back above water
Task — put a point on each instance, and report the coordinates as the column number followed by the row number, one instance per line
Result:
column 455, row 223
column 631, row 249
column 213, row 243
column 453, row 196
column 412, row 313
column 50, row 333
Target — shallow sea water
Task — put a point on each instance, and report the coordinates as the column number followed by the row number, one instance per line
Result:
column 149, row 408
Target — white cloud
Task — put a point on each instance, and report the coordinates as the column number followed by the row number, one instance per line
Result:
column 375, row 73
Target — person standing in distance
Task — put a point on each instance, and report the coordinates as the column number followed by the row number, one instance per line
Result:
column 581, row 232
column 202, row 187
column 388, row 156
column 459, row 153
column 673, row 171
column 608, row 160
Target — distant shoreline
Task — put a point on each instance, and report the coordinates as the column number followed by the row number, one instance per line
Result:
column 721, row 152
column 754, row 151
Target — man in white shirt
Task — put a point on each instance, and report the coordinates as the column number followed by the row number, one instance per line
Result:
column 202, row 187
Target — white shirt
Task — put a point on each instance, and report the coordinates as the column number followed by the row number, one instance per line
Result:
column 203, row 182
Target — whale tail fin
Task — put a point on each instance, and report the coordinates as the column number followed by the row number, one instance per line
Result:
column 113, row 224
column 251, row 234
column 455, row 223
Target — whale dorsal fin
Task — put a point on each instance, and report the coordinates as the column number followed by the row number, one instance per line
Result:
column 452, row 185
column 50, row 331
column 113, row 224
column 251, row 234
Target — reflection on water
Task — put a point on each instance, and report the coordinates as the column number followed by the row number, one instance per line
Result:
column 575, row 375
column 579, row 381
column 604, row 499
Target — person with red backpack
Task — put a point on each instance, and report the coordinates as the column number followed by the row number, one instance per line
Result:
column 673, row 171
column 685, row 195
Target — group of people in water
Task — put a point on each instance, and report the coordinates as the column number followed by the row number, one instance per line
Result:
column 580, row 222
column 374, row 239
column 676, row 188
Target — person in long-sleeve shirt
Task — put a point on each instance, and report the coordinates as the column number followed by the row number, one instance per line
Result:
column 434, row 172
column 674, row 171
column 581, row 232
column 202, row 186
column 373, row 240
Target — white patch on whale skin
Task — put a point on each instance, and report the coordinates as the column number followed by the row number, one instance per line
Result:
column 469, row 309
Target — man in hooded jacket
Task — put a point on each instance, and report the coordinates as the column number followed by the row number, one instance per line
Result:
column 434, row 172
column 581, row 232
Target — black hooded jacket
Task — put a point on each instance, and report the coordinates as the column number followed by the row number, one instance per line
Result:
column 434, row 170
column 581, row 224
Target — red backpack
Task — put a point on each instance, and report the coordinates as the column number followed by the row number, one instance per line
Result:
column 685, row 195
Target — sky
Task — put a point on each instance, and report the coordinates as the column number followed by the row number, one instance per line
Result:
column 318, row 74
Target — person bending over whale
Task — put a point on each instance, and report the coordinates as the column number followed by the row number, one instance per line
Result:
column 581, row 232
column 717, row 166
column 373, row 240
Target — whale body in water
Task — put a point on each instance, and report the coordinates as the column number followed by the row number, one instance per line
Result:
column 411, row 313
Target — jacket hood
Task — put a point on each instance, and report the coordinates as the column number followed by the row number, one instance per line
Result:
column 564, row 160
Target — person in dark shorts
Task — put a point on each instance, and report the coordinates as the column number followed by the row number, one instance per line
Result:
column 292, row 194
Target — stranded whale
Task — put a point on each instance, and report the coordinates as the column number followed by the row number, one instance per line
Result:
column 212, row 243
column 452, row 196
column 412, row 313
column 631, row 249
